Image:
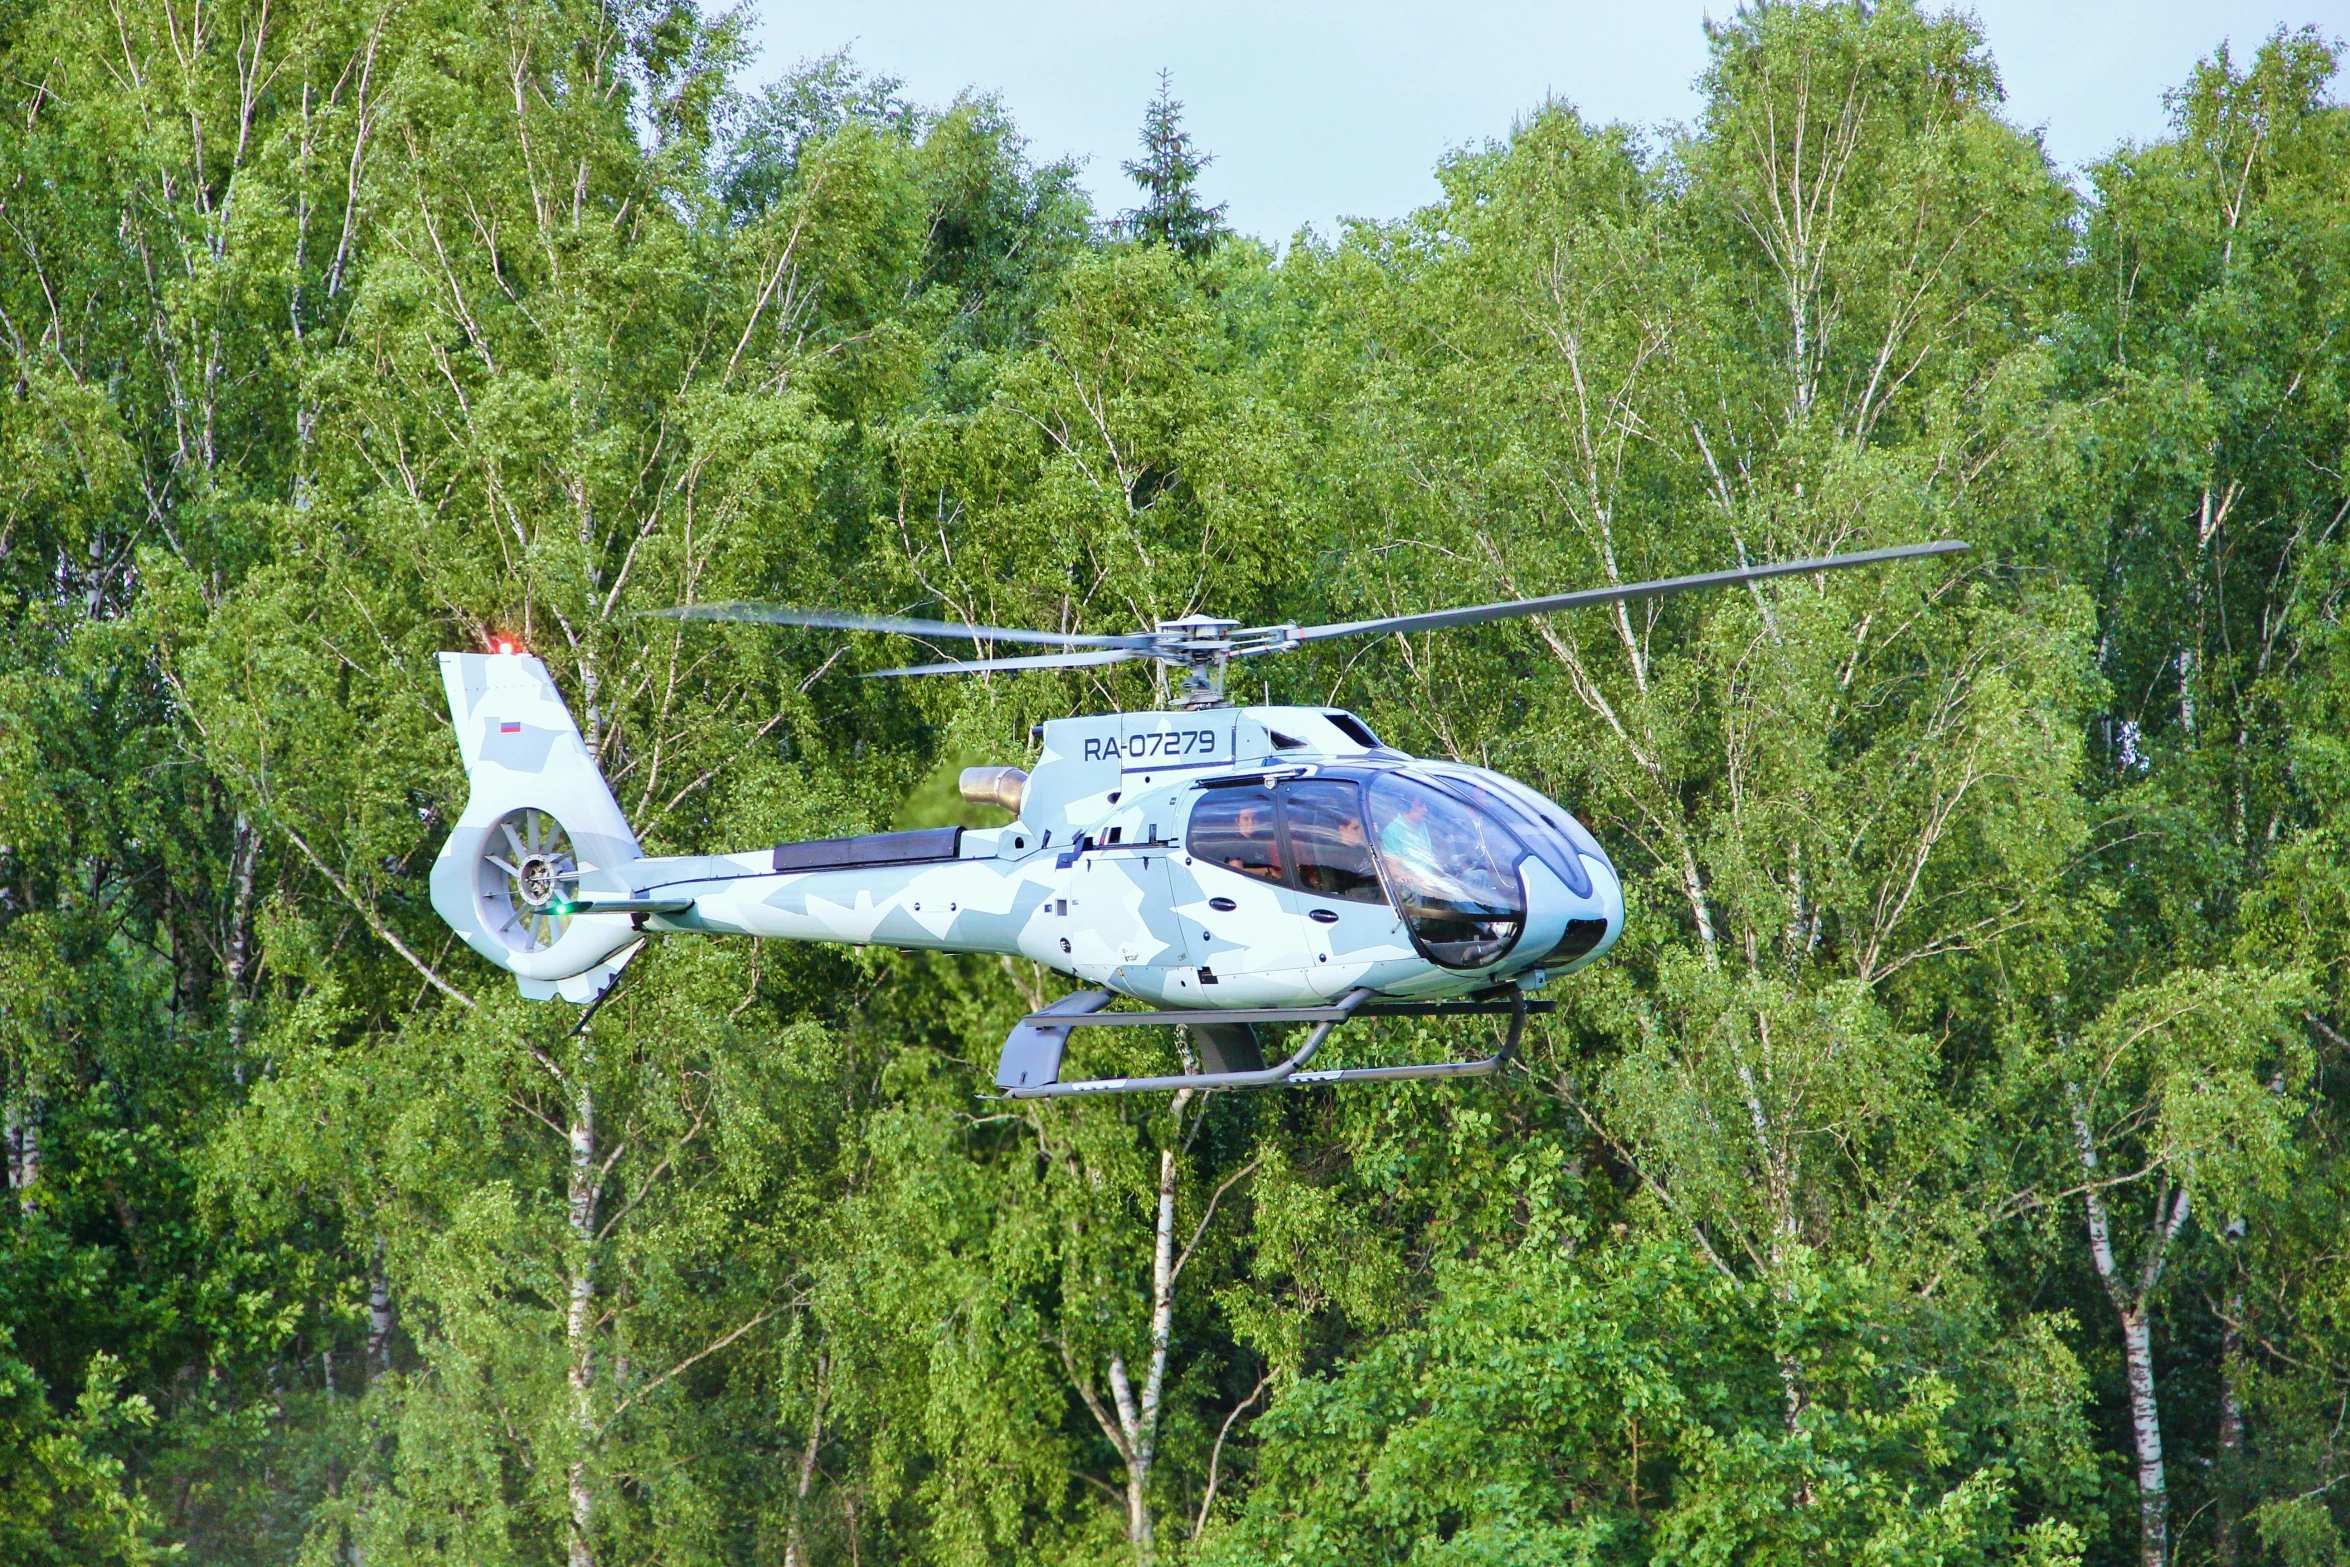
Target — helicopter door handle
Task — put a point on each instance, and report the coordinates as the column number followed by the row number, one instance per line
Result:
column 1222, row 905
column 1323, row 917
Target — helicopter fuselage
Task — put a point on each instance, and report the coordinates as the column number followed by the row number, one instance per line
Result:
column 1207, row 858
column 1135, row 865
column 1210, row 857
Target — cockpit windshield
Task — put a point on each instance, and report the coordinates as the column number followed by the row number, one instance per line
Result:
column 1537, row 823
column 1452, row 869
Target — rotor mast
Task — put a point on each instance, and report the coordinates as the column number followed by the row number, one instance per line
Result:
column 1203, row 648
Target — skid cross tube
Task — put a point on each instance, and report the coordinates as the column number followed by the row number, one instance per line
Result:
column 1356, row 1003
column 1514, row 1002
column 1396, row 1074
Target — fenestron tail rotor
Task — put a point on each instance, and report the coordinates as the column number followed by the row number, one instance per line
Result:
column 1204, row 646
column 529, row 872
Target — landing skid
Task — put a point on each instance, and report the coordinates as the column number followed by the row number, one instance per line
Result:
column 1030, row 1066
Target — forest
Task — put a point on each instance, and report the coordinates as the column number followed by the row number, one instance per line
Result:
column 1950, row 1165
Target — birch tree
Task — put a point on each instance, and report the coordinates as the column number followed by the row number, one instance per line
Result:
column 2173, row 1098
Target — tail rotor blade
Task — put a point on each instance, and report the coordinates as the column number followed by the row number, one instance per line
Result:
column 1477, row 614
column 839, row 620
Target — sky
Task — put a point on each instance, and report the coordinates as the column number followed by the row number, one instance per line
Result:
column 1316, row 111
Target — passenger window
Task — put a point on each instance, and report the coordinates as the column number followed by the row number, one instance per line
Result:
column 1327, row 842
column 1234, row 828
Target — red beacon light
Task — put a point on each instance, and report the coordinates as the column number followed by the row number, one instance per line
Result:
column 507, row 645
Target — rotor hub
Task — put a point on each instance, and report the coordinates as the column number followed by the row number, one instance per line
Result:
column 540, row 881
column 528, row 877
column 1203, row 647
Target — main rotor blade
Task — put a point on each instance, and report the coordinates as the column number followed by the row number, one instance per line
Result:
column 838, row 620
column 1475, row 614
column 1041, row 661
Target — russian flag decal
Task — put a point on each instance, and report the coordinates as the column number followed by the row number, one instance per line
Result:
column 510, row 727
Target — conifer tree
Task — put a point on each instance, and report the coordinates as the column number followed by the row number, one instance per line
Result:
column 1171, row 213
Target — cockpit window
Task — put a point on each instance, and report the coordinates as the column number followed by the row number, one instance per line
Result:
column 1534, row 819
column 1453, row 870
column 1327, row 841
column 1234, row 828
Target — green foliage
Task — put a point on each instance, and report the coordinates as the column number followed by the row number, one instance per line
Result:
column 1964, row 1104
column 1556, row 1404
column 62, row 1496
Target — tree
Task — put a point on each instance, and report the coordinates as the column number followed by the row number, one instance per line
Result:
column 2179, row 1093
column 1960, row 1128
column 1171, row 213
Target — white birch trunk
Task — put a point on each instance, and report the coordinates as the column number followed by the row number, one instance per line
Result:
column 2133, row 1305
column 2231, row 1434
column 579, row 1324
column 2231, row 1406
column 1131, row 1423
column 379, row 1317
column 243, row 857
column 2146, row 1432
column 376, row 1360
column 795, row 1545
column 24, row 1151
column 1140, row 1418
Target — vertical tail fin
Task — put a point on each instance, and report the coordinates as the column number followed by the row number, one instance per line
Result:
column 539, row 828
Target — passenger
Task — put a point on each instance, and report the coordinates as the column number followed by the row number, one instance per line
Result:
column 1253, row 830
column 1347, row 871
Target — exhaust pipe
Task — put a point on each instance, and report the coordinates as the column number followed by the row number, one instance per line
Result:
column 1002, row 787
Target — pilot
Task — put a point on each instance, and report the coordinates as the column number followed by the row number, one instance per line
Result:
column 1405, row 839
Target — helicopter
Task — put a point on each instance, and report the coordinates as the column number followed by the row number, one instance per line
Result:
column 1227, row 866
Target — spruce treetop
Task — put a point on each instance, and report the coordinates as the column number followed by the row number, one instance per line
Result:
column 1171, row 213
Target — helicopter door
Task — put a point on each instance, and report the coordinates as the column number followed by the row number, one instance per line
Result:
column 1122, row 932
column 1244, row 925
column 1345, row 913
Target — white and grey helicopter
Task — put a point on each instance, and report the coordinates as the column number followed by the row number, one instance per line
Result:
column 1227, row 865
